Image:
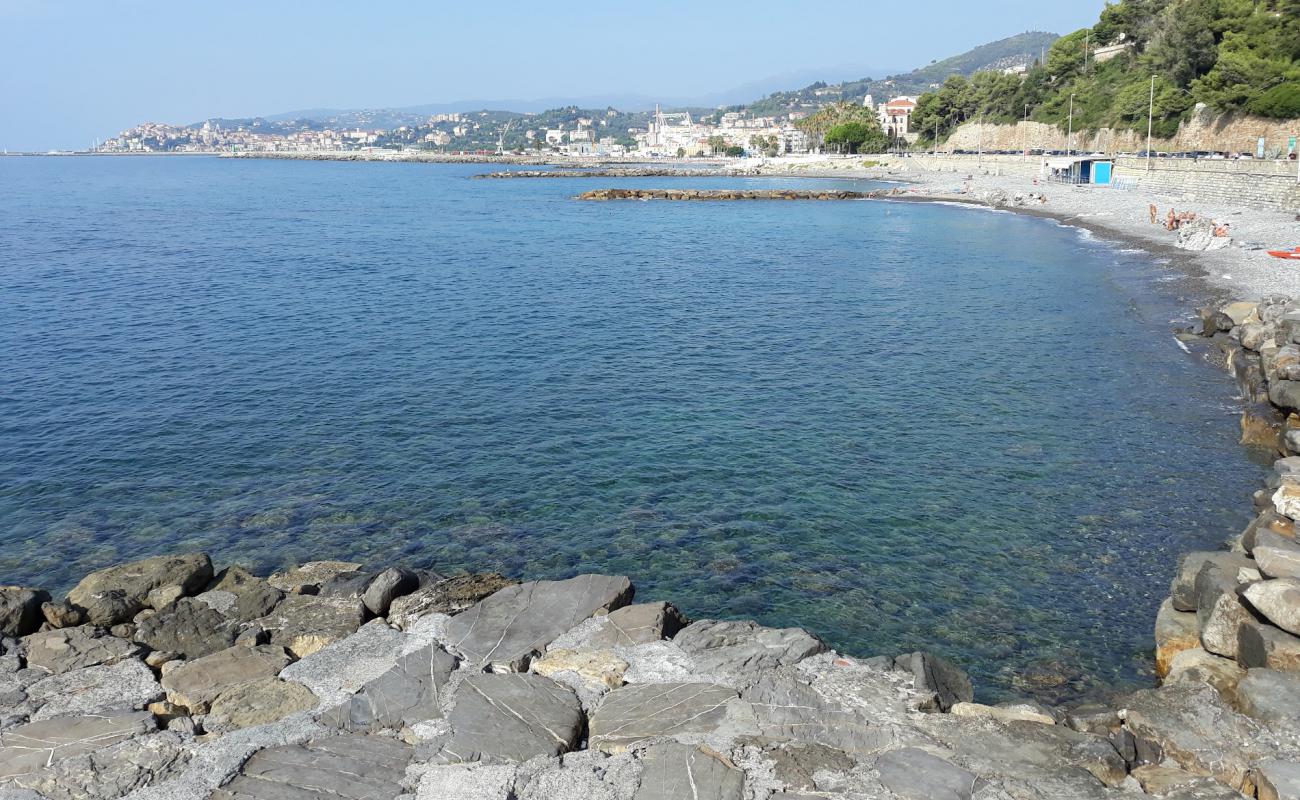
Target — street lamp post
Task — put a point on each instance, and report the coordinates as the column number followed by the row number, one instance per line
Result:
column 980, row 155
column 1069, row 136
column 1024, row 136
column 1151, row 111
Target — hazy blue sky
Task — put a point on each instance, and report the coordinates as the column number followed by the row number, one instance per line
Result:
column 73, row 70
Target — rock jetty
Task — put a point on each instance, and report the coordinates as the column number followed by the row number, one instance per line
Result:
column 723, row 194
column 163, row 679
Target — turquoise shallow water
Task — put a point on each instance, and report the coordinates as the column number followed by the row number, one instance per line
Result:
column 900, row 426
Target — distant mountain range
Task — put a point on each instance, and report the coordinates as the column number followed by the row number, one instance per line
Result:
column 1022, row 48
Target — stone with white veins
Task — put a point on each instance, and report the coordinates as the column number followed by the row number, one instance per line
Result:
column 124, row 686
column 505, row 631
column 745, row 650
column 638, row 712
column 637, row 624
column 674, row 771
column 65, row 649
column 409, row 692
column 348, row 767
column 511, row 717
column 914, row 774
column 107, row 773
column 28, row 748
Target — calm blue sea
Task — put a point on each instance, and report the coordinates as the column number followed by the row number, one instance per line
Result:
column 900, row 426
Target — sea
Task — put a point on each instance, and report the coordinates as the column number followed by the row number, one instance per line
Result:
column 900, row 426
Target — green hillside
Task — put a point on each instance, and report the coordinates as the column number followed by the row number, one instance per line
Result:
column 1232, row 55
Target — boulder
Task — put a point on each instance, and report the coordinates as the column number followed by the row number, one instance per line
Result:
column 304, row 624
column 20, row 610
column 1261, row 645
column 1276, row 555
column 1270, row 696
column 1220, row 612
column 503, row 632
column 349, row 767
column 744, row 651
column 195, row 684
column 66, row 649
column 644, row 711
column 938, row 676
column 1285, row 394
column 598, row 670
column 674, row 771
column 1278, row 600
column 124, row 686
column 782, row 708
column 257, row 702
column 308, row 578
column 1241, row 312
column 1198, row 666
column 385, row 587
column 444, row 596
column 1276, row 779
column 638, row 624
column 62, row 614
column 26, row 749
column 470, row 782
column 796, row 765
column 410, row 692
column 254, row 597
column 913, row 774
column 512, row 717
column 1176, row 631
column 1191, row 725
column 1182, row 592
column 1179, row 784
column 189, row 627
column 163, row 596
column 111, row 772
column 115, row 594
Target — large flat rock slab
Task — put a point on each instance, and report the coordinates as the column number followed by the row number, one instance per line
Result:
column 502, row 633
column 195, row 684
column 66, row 649
column 410, row 692
column 675, row 772
column 745, row 650
column 914, row 774
column 124, row 686
column 787, row 710
column 28, row 748
column 637, row 624
column 346, row 767
column 108, row 773
column 512, row 717
column 644, row 711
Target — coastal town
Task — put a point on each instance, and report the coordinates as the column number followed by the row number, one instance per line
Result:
column 580, row 133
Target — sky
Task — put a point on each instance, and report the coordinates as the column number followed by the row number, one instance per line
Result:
column 75, row 70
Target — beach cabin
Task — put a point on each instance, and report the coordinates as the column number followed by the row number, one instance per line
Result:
column 1078, row 170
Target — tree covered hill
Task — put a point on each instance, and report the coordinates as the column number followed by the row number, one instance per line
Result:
column 1235, row 56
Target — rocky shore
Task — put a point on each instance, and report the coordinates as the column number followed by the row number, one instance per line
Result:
column 723, row 194
column 629, row 172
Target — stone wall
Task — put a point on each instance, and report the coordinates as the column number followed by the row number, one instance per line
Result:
column 1268, row 184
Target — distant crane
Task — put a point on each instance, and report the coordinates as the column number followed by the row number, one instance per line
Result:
column 501, row 140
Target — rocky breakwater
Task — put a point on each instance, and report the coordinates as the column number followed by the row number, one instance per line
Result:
column 722, row 194
column 160, row 680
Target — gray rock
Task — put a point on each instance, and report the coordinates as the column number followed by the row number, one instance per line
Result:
column 163, row 596
column 195, row 684
column 1198, row 666
column 796, row 765
column 1285, row 394
column 110, row 772
column 115, row 594
column 304, row 624
column 581, row 775
column 468, row 782
column 27, row 749
column 66, row 649
column 20, row 610
column 1261, row 645
column 512, row 717
column 444, row 596
column 675, row 772
column 1183, row 589
column 1175, row 632
column 189, row 627
column 745, row 650
column 1220, row 612
column 1192, row 726
column 1276, row 555
column 1276, row 779
column 1270, row 696
column 257, row 702
column 388, row 585
column 1278, row 600
column 62, row 614
column 124, row 686
column 347, row 767
column 644, row 711
column 914, row 774
column 254, row 597
column 1094, row 718
column 931, row 673
column 786, row 709
column 638, row 624
column 310, row 577
column 504, row 632
column 410, row 692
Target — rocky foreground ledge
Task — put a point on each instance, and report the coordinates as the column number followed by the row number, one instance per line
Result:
column 160, row 680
